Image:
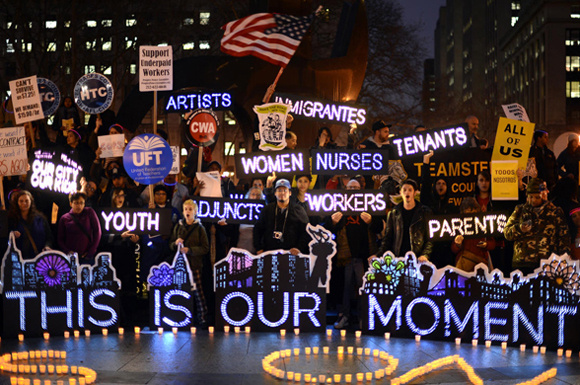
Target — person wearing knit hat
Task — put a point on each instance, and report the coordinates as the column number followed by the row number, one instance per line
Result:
column 538, row 229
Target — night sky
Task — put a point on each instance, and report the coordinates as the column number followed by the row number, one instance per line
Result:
column 426, row 13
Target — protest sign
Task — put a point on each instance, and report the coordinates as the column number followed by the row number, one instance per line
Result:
column 13, row 157
column 155, row 68
column 515, row 111
column 147, row 159
column 272, row 125
column 323, row 110
column 245, row 211
column 474, row 225
column 111, row 145
column 49, row 96
column 348, row 202
column 53, row 171
column 504, row 180
column 193, row 100
column 350, row 162
column 176, row 160
column 137, row 221
column 513, row 140
column 444, row 138
column 211, row 183
column 202, row 128
column 281, row 162
column 26, row 100
column 93, row 93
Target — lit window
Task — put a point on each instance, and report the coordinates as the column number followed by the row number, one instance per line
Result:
column 188, row 21
column 26, row 47
column 89, row 69
column 575, row 12
column 9, row 46
column 50, row 24
column 242, row 151
column 129, row 43
column 90, row 44
column 188, row 46
column 203, row 44
column 514, row 20
column 573, row 90
column 8, row 24
column 107, row 45
column 130, row 22
column 229, row 148
column 516, row 6
column 204, row 18
column 51, row 47
column 106, row 70
column 67, row 70
column 68, row 45
column 91, row 23
column 133, row 69
column 107, row 23
column 572, row 63
column 162, row 45
column 67, row 24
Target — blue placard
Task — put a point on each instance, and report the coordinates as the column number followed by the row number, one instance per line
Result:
column 49, row 96
column 148, row 159
column 93, row 93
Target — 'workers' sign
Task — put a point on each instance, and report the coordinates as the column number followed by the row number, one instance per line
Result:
column 93, row 93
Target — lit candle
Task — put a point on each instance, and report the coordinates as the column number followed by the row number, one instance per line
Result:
column 417, row 338
column 375, row 352
column 297, row 377
column 42, row 369
column 296, row 331
column 560, row 352
column 315, row 349
column 50, row 369
column 522, row 347
column 50, row 353
column 474, row 342
column 159, row 331
column 367, row 351
column 105, row 332
column 343, row 333
column 360, row 377
column 504, row 345
column 36, row 381
column 87, row 333
column 192, row 330
column 121, row 331
column 76, row 333
column 63, row 355
column 387, row 336
column 236, row 329
column 358, row 333
column 340, row 350
column 296, row 351
column 325, row 349
column 350, row 349
column 359, row 351
column 322, row 378
column 210, row 329
column 137, row 330
column 175, row 330
column 290, row 375
column 72, row 381
column 568, row 353
column 46, row 335
column 307, row 378
column 82, row 381
column 337, row 378
column 488, row 344
column 348, row 378
column 329, row 332
column 535, row 349
column 21, row 337
column 248, row 329
column 379, row 373
column 307, row 350
column 282, row 332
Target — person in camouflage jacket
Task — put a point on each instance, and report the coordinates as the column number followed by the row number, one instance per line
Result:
column 538, row 229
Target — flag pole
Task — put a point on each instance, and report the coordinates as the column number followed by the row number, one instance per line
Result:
column 272, row 87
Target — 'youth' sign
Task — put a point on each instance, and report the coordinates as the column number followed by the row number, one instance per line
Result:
column 436, row 139
column 447, row 227
column 136, row 221
column 281, row 162
column 233, row 211
column 334, row 162
column 347, row 202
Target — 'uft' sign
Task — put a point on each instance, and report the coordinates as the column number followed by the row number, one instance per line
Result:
column 148, row 158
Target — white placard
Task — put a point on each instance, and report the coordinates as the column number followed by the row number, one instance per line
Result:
column 515, row 111
column 176, row 158
column 212, row 184
column 26, row 100
column 112, row 146
column 13, row 158
column 155, row 68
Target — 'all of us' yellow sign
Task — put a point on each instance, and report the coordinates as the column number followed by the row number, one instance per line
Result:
column 513, row 140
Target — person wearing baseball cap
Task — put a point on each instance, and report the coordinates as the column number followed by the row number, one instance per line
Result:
column 282, row 224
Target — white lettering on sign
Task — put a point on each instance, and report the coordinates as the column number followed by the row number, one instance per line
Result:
column 467, row 226
column 426, row 141
column 231, row 211
column 346, row 202
column 326, row 111
column 203, row 127
column 60, row 178
column 92, row 93
column 194, row 101
column 130, row 221
column 342, row 161
column 47, row 97
column 281, row 163
column 145, row 158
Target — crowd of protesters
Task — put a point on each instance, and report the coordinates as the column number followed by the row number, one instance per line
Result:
column 545, row 219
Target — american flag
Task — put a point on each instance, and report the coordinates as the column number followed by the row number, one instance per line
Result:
column 269, row 36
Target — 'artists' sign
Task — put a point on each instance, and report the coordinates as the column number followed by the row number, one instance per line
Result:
column 233, row 211
column 334, row 162
column 444, row 138
column 347, row 202
column 476, row 225
column 280, row 162
column 194, row 100
column 136, row 221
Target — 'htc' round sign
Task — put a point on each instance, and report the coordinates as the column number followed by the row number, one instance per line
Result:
column 202, row 128
column 93, row 93
column 49, row 96
column 147, row 159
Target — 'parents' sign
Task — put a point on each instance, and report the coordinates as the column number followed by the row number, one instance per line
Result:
column 233, row 211
column 264, row 163
column 323, row 109
column 333, row 162
column 437, row 139
column 347, row 202
column 136, row 221
column 447, row 227
column 53, row 171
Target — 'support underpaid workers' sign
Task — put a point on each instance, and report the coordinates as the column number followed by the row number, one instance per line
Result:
column 334, row 162
column 476, row 225
column 281, row 162
column 13, row 158
column 26, row 100
column 52, row 171
column 155, row 68
column 323, row 110
column 445, row 138
column 233, row 211
column 347, row 202
column 136, row 221
column 513, row 140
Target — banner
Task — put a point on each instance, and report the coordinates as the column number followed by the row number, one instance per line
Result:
column 515, row 111
column 13, row 157
column 264, row 163
column 475, row 225
column 348, row 202
column 112, row 146
column 323, row 110
column 272, row 125
column 444, row 138
column 245, row 211
column 147, row 159
column 26, row 100
column 194, row 100
column 53, row 171
column 137, row 221
column 350, row 162
column 155, row 68
column 513, row 140
column 504, row 180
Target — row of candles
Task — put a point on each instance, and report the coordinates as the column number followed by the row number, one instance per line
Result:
column 535, row 349
column 19, row 363
column 267, row 365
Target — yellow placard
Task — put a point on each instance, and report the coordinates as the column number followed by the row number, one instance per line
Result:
column 513, row 140
column 504, row 180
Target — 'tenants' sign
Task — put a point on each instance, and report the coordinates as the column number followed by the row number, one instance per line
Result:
column 333, row 162
column 436, row 139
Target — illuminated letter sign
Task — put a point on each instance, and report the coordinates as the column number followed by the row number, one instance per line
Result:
column 233, row 211
column 136, row 221
column 93, row 93
column 183, row 102
column 479, row 225
column 334, row 162
column 56, row 172
column 280, row 162
column 445, row 138
column 323, row 110
column 348, row 202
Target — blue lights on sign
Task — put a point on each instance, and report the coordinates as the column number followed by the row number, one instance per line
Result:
column 184, row 102
column 447, row 227
column 238, row 211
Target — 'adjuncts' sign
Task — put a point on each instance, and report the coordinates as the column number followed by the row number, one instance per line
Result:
column 447, row 227
column 281, row 162
column 347, row 202
column 444, row 138
column 333, row 162
column 233, row 211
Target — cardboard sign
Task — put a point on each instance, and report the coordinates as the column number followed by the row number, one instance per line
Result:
column 155, row 68
column 194, row 100
column 94, row 93
column 513, row 141
column 275, row 290
column 348, row 202
column 504, row 180
column 53, row 171
column 233, row 211
column 136, row 221
column 407, row 299
column 13, row 156
column 281, row 162
column 515, row 111
column 26, row 100
column 147, row 159
column 323, row 110
column 445, row 138
column 112, row 146
column 53, row 293
column 350, row 162
column 476, row 225
column 175, row 165
column 272, row 125
column 49, row 96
